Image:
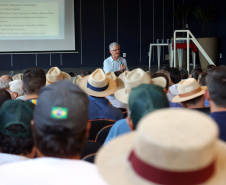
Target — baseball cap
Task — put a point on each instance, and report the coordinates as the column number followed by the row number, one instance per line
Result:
column 16, row 112
column 61, row 104
column 144, row 99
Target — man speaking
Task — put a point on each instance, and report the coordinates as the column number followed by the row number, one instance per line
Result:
column 115, row 63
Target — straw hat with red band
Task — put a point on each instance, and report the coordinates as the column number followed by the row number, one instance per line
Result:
column 170, row 147
column 98, row 84
column 189, row 89
column 55, row 74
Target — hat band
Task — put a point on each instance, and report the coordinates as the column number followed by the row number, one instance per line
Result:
column 98, row 89
column 166, row 177
column 190, row 93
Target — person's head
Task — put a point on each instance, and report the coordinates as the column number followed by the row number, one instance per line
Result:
column 202, row 79
column 195, row 72
column 184, row 73
column 4, row 95
column 210, row 68
column 15, row 88
column 114, row 49
column 60, row 120
column 4, row 81
column 156, row 75
column 33, row 80
column 175, row 75
column 85, row 73
column 15, row 128
column 144, row 99
column 190, row 94
column 216, row 84
column 167, row 74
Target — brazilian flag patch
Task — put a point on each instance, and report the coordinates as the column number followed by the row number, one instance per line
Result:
column 59, row 112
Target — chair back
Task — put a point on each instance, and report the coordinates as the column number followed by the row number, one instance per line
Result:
column 89, row 158
column 102, row 134
column 89, row 148
column 97, row 125
column 124, row 111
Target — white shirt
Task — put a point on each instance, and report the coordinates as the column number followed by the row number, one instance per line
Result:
column 8, row 158
column 50, row 171
column 116, row 103
column 112, row 65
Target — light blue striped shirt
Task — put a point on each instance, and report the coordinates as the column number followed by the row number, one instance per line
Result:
column 112, row 65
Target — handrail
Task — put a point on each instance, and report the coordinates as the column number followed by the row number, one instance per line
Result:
column 196, row 43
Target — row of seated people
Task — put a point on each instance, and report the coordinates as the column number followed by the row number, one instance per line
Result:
column 54, row 128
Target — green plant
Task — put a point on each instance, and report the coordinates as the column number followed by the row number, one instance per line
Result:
column 205, row 15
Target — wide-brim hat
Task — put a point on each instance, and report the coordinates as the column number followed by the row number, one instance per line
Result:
column 133, row 79
column 77, row 79
column 18, row 76
column 119, row 82
column 166, row 149
column 98, row 84
column 188, row 89
column 55, row 74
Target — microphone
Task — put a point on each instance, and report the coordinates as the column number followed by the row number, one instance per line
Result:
column 122, row 69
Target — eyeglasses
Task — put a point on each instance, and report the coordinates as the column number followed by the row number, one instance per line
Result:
column 116, row 50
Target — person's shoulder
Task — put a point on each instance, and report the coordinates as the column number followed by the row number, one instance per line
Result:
column 109, row 59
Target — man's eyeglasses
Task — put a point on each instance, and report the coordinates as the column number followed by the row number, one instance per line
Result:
column 116, row 50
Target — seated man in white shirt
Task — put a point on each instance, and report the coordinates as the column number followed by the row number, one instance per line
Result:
column 115, row 63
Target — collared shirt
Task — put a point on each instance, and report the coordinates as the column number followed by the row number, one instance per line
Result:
column 112, row 65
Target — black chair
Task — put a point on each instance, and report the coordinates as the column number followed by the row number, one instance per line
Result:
column 97, row 125
column 89, row 148
column 102, row 134
column 124, row 111
column 89, row 158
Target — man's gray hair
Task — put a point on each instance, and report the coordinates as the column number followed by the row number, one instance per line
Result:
column 16, row 86
column 112, row 45
column 4, row 81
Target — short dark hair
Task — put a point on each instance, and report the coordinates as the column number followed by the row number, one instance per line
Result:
column 193, row 101
column 33, row 80
column 184, row 73
column 216, row 83
column 195, row 72
column 210, row 68
column 4, row 95
column 155, row 75
column 202, row 79
column 51, row 145
column 16, row 145
column 175, row 75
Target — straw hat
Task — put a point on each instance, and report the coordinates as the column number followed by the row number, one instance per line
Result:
column 123, row 75
column 98, row 84
column 54, row 75
column 132, row 80
column 170, row 146
column 118, row 81
column 18, row 76
column 77, row 79
column 188, row 89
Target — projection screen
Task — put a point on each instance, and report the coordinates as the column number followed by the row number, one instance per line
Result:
column 33, row 26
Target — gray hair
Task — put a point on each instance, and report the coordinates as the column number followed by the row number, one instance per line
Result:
column 4, row 81
column 16, row 86
column 113, row 44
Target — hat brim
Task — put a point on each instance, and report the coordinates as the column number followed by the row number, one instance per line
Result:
column 110, row 90
column 178, row 99
column 113, row 164
column 65, row 76
column 122, row 96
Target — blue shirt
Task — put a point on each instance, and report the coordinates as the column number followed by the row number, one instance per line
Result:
column 112, row 65
column 100, row 108
column 220, row 118
column 119, row 128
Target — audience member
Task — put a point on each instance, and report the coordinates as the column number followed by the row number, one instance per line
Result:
column 77, row 79
column 167, row 74
column 170, row 146
column 115, row 63
column 202, row 82
column 33, row 80
column 16, row 90
column 16, row 142
column 18, row 76
column 59, row 130
column 216, row 83
column 195, row 72
column 191, row 95
column 55, row 74
column 4, row 81
column 97, row 86
column 85, row 73
column 176, row 78
column 184, row 73
column 4, row 95
column 143, row 99
column 210, row 68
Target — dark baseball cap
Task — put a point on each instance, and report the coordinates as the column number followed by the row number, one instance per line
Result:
column 144, row 99
column 16, row 112
column 61, row 104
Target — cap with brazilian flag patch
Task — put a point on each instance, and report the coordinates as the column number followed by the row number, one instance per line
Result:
column 62, row 104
